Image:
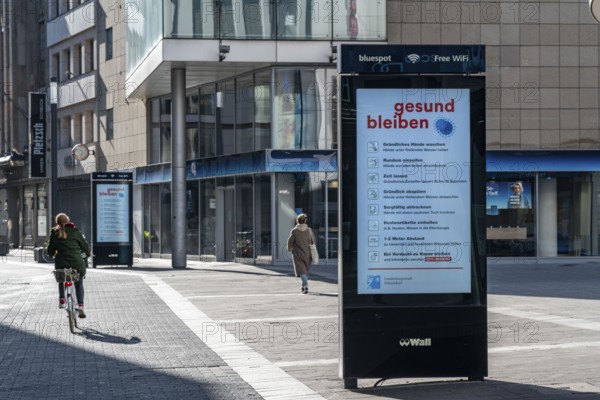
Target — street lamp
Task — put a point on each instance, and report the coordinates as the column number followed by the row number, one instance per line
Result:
column 53, row 149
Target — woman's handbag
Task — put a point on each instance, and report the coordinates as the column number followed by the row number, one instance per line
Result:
column 314, row 254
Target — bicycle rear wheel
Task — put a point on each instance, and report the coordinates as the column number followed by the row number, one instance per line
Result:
column 71, row 309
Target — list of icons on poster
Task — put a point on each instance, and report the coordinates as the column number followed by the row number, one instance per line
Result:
column 373, row 194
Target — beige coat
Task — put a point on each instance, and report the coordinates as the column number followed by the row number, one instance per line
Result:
column 298, row 244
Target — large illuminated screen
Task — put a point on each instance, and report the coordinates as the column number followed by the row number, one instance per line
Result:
column 413, row 191
column 112, row 213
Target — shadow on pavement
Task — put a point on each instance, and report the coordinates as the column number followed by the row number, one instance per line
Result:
column 576, row 280
column 96, row 335
column 37, row 367
column 488, row 390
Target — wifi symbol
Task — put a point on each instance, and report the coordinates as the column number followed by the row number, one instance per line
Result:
column 413, row 58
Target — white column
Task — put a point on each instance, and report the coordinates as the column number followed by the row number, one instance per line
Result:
column 73, row 130
column 547, row 218
column 84, row 57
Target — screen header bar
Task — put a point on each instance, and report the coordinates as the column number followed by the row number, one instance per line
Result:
column 386, row 59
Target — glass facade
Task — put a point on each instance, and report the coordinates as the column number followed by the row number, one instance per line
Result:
column 150, row 22
column 248, row 216
column 281, row 19
column 279, row 108
column 143, row 31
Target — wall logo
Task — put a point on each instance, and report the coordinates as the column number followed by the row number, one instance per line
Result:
column 413, row 58
column 373, row 281
column 415, row 342
column 444, row 127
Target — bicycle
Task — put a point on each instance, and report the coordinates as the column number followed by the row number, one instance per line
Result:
column 47, row 258
column 68, row 277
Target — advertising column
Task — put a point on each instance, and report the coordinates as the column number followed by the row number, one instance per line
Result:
column 112, row 231
column 412, row 265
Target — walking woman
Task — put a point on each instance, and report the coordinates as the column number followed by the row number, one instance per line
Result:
column 299, row 242
column 67, row 245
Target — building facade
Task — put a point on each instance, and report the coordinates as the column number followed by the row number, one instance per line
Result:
column 237, row 100
column 23, row 61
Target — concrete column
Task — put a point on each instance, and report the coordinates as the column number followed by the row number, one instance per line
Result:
column 178, row 146
column 547, row 218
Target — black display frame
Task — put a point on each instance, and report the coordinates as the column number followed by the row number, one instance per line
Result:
column 112, row 253
column 374, row 325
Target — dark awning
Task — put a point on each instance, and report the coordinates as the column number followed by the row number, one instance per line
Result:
column 543, row 161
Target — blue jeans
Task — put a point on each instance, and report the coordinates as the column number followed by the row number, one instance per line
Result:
column 304, row 280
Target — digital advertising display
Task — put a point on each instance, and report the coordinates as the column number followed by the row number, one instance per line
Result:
column 112, row 218
column 112, row 213
column 412, row 213
column 413, row 190
column 502, row 195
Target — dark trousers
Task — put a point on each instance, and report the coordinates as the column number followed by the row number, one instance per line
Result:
column 78, row 290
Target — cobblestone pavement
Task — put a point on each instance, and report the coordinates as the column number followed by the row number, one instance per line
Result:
column 234, row 331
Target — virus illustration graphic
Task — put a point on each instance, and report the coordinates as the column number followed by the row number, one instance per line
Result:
column 444, row 127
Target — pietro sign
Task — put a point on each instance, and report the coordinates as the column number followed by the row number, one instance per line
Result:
column 37, row 134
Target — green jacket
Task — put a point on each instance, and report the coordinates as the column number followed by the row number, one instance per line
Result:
column 68, row 252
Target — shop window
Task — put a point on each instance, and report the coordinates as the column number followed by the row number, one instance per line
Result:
column 191, row 126
column 165, row 130
column 154, row 132
column 262, row 110
column 152, row 228
column 510, row 217
column 244, row 115
column 225, row 118
column 574, row 215
column 192, row 218
column 28, row 208
column 244, row 217
column 208, row 207
column 297, row 110
column 165, row 218
column 208, row 122
column 262, row 224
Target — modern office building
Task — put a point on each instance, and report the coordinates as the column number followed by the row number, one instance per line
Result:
column 240, row 99
column 260, row 121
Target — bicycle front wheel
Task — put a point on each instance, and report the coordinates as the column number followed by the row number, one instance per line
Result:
column 72, row 322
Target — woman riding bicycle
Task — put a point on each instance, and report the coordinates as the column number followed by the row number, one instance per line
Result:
column 66, row 245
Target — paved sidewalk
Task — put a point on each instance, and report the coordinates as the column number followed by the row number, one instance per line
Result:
column 229, row 331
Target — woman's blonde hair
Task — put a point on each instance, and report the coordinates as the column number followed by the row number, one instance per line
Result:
column 301, row 219
column 61, row 220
